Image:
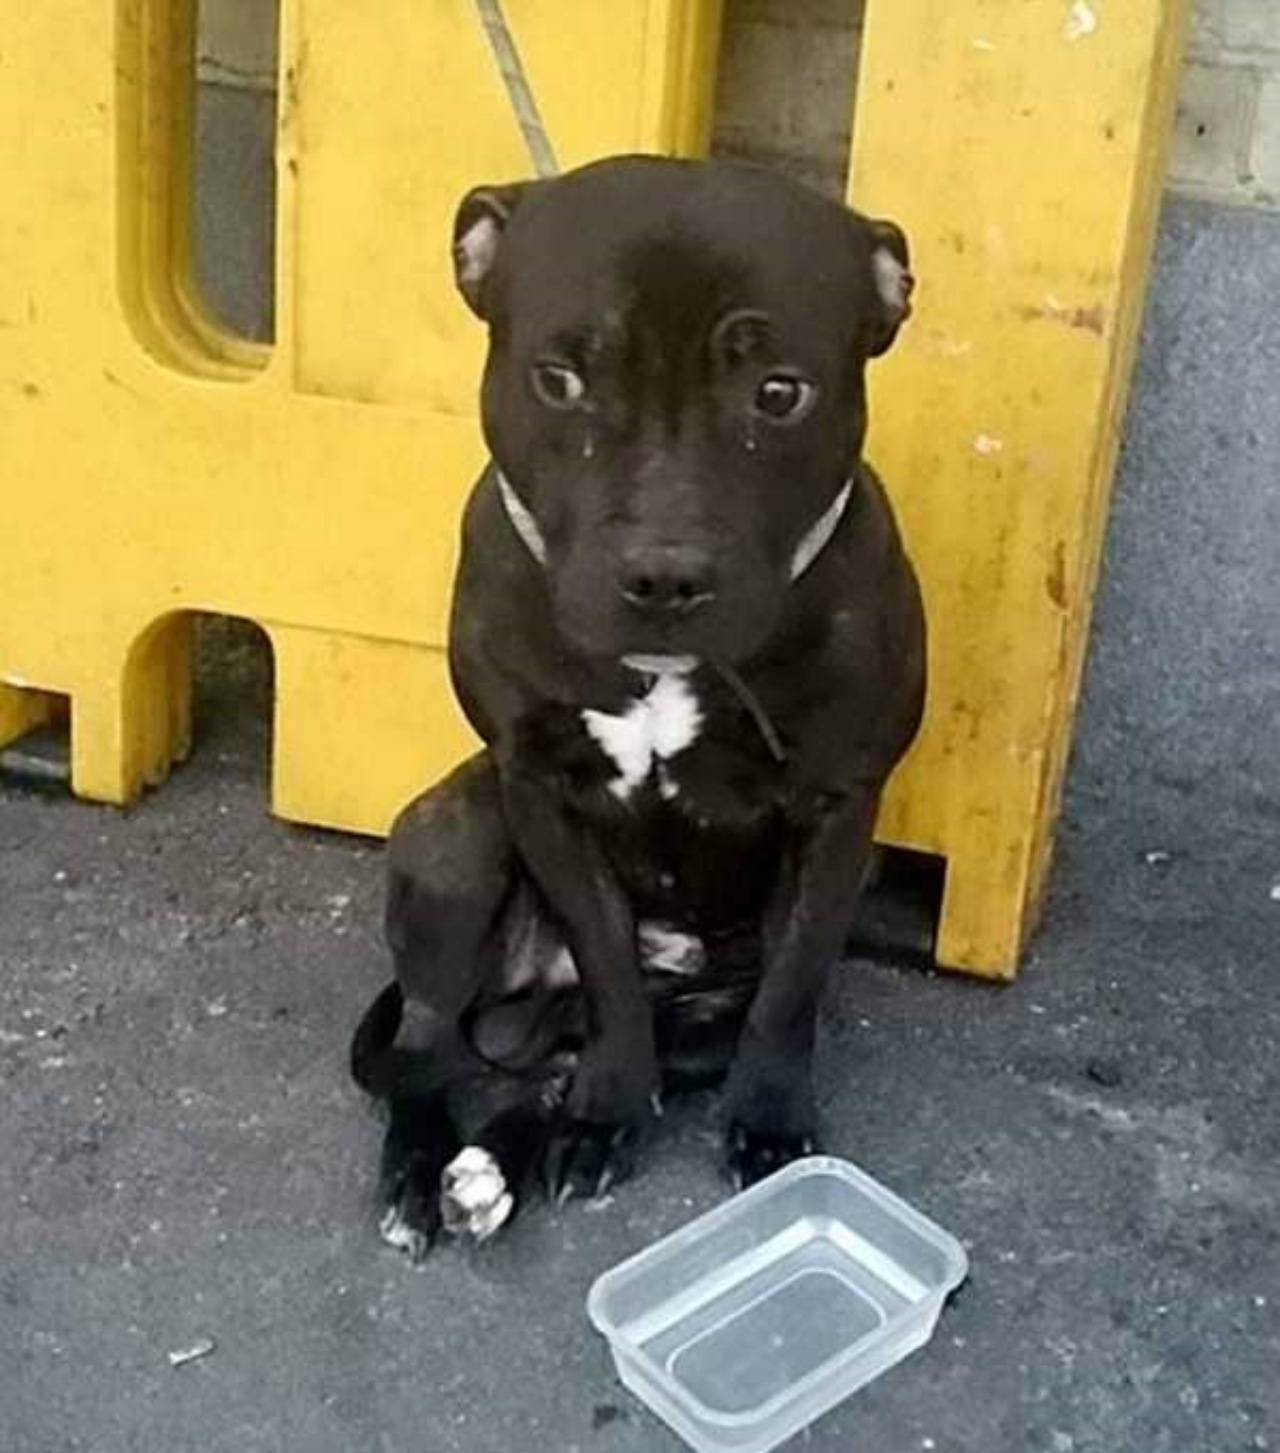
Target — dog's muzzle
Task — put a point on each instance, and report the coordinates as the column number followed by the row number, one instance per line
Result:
column 815, row 540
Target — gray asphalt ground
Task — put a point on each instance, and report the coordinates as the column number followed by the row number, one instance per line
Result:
column 182, row 1158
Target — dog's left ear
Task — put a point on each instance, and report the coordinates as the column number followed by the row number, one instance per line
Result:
column 481, row 220
column 894, row 284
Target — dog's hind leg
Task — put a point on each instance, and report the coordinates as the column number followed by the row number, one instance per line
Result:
column 451, row 870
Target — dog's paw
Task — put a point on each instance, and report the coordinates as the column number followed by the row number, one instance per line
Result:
column 399, row 1230
column 751, row 1155
column 475, row 1200
column 409, row 1192
column 770, row 1108
column 586, row 1160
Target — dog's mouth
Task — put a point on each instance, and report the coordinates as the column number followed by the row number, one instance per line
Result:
column 663, row 649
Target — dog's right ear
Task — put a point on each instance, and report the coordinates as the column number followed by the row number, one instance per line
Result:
column 482, row 218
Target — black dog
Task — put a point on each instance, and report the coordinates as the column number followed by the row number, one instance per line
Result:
column 685, row 627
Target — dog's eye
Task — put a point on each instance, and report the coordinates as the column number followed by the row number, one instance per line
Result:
column 558, row 386
column 784, row 397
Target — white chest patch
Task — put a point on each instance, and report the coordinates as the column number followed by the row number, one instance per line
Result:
column 653, row 728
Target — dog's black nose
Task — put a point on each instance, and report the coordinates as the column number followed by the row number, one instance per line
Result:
column 671, row 579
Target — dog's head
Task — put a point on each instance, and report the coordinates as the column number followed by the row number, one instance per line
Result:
column 674, row 391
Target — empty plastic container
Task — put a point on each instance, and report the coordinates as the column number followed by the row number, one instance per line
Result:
column 743, row 1327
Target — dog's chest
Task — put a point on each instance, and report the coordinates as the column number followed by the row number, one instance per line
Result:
column 640, row 741
column 684, row 796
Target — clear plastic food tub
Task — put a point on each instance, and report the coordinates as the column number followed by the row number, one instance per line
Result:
column 743, row 1327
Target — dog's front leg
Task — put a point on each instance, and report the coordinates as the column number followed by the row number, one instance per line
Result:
column 616, row 1084
column 770, row 1094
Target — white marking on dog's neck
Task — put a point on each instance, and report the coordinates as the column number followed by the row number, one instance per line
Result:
column 654, row 728
column 522, row 521
column 820, row 532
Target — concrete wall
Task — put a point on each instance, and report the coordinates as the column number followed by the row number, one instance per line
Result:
column 1228, row 141
column 238, row 42
column 235, row 140
column 1183, row 689
column 788, row 73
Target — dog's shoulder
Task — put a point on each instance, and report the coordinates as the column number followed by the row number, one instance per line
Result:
column 854, row 676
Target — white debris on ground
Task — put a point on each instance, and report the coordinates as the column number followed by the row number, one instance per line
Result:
column 182, row 1355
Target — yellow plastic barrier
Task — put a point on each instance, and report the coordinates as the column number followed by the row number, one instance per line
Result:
column 152, row 466
column 1022, row 147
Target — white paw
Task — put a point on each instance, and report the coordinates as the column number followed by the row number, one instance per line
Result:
column 474, row 1199
column 397, row 1232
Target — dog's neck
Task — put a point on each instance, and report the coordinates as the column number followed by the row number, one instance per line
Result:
column 815, row 540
